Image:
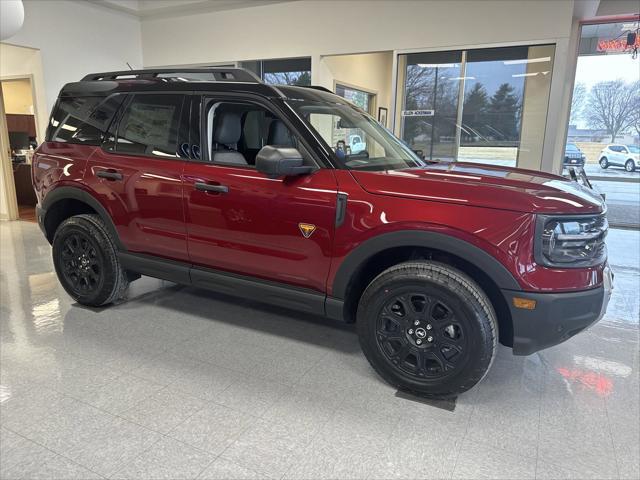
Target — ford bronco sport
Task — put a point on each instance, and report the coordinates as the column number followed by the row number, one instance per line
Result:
column 211, row 178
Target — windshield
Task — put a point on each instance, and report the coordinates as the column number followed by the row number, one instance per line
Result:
column 572, row 148
column 357, row 140
column 633, row 148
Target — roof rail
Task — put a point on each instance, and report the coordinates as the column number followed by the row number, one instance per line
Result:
column 216, row 75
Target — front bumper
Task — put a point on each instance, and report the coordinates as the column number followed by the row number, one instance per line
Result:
column 556, row 316
column 573, row 162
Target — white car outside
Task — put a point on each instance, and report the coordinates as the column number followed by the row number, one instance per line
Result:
column 618, row 155
column 356, row 144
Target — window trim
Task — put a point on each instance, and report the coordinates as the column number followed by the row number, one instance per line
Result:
column 206, row 97
column 117, row 119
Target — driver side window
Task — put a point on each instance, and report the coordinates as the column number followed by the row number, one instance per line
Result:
column 235, row 132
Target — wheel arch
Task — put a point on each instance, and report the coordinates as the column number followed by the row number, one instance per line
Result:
column 65, row 202
column 379, row 253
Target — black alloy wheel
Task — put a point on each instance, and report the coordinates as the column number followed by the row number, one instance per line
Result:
column 81, row 264
column 86, row 261
column 428, row 328
column 421, row 335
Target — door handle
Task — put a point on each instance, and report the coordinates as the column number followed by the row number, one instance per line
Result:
column 206, row 187
column 109, row 175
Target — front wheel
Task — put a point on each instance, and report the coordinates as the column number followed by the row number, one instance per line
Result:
column 630, row 166
column 86, row 261
column 428, row 328
column 604, row 162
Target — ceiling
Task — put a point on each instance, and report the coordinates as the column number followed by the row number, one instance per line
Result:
column 161, row 8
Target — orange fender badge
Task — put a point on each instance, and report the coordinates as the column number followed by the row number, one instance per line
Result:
column 307, row 229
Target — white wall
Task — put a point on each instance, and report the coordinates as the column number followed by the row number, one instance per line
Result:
column 327, row 27
column 76, row 38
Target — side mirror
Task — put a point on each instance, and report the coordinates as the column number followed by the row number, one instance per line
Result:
column 277, row 162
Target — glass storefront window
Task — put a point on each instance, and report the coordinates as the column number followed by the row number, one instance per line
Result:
column 485, row 105
column 360, row 98
column 287, row 71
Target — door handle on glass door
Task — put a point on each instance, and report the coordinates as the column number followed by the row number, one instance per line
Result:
column 206, row 187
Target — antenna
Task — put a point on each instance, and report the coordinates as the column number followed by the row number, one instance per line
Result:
column 130, row 68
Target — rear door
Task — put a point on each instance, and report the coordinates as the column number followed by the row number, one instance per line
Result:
column 278, row 229
column 137, row 174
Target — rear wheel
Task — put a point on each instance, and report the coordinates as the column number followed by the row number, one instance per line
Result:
column 86, row 261
column 427, row 328
column 604, row 162
column 630, row 166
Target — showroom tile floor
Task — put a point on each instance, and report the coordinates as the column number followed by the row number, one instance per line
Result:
column 182, row 383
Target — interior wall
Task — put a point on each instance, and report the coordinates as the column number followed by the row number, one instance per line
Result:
column 27, row 62
column 76, row 38
column 17, row 96
column 534, row 108
column 325, row 27
column 371, row 72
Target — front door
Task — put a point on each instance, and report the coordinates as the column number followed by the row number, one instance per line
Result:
column 137, row 176
column 241, row 221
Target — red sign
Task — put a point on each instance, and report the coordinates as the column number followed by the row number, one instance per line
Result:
column 618, row 45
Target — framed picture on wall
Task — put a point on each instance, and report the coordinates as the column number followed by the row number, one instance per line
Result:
column 382, row 116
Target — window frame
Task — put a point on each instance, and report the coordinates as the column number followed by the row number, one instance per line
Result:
column 219, row 97
column 117, row 120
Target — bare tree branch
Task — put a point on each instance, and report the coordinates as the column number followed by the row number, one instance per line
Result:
column 612, row 106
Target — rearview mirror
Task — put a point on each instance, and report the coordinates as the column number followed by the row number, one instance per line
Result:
column 277, row 162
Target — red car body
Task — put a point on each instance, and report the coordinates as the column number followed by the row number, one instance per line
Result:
column 253, row 230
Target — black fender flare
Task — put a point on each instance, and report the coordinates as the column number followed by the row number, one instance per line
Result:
column 74, row 193
column 419, row 238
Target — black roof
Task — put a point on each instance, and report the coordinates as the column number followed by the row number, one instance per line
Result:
column 190, row 80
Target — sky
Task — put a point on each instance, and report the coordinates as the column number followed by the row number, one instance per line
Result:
column 598, row 68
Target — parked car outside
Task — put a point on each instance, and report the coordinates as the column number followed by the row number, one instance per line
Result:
column 235, row 186
column 356, row 144
column 573, row 156
column 617, row 155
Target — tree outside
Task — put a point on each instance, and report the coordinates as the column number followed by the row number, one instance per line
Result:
column 613, row 106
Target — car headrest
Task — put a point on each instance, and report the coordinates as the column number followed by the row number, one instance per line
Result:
column 228, row 128
column 279, row 134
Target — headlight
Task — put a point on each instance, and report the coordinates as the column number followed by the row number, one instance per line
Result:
column 582, row 157
column 571, row 241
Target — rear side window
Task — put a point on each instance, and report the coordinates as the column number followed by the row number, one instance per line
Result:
column 82, row 119
column 149, row 125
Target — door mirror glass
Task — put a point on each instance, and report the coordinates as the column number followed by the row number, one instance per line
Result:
column 278, row 162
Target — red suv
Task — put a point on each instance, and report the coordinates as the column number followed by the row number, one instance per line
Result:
column 212, row 178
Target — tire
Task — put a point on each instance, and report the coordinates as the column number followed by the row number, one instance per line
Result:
column 604, row 163
column 630, row 166
column 458, row 342
column 86, row 261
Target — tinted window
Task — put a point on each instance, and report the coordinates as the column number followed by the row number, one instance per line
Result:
column 82, row 119
column 149, row 125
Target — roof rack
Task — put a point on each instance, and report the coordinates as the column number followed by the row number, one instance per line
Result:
column 184, row 74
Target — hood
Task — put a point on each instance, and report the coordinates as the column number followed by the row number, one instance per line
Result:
column 488, row 186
